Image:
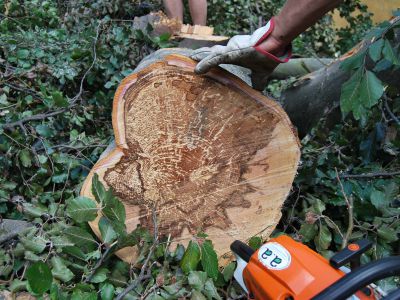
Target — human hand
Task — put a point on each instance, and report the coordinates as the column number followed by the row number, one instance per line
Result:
column 248, row 51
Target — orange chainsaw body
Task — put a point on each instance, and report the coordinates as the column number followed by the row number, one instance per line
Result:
column 286, row 269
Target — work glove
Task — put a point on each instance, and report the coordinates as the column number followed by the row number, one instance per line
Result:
column 243, row 50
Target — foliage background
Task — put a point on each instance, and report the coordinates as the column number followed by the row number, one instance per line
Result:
column 60, row 63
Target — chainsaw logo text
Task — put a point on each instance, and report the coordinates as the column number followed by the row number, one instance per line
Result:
column 274, row 256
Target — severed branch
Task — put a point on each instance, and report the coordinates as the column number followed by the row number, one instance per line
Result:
column 36, row 118
column 349, row 203
column 371, row 175
column 79, row 94
column 100, row 262
column 392, row 115
column 142, row 275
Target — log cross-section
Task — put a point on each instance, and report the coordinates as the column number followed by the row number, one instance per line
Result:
column 208, row 153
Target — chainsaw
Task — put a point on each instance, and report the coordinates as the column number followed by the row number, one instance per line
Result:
column 283, row 269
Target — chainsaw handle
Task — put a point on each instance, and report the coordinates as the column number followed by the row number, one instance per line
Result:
column 395, row 295
column 242, row 250
column 361, row 277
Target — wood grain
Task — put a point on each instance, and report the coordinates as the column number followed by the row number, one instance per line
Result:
column 208, row 152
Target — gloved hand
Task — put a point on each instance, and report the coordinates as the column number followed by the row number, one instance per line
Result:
column 243, row 50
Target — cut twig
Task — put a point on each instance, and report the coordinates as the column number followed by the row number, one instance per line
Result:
column 370, row 175
column 79, row 94
column 349, row 203
column 389, row 111
column 100, row 262
column 142, row 275
column 35, row 118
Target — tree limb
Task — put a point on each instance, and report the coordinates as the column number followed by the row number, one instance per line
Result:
column 142, row 274
column 100, row 262
column 370, row 175
column 349, row 203
column 36, row 118
column 392, row 115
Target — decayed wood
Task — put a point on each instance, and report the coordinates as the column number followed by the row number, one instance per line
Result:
column 208, row 152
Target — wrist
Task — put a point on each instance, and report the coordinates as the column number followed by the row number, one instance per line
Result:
column 273, row 46
column 275, row 43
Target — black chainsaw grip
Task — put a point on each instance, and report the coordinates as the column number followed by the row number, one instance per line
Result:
column 241, row 249
column 361, row 277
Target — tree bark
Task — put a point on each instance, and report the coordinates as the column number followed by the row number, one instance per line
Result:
column 317, row 94
column 208, row 153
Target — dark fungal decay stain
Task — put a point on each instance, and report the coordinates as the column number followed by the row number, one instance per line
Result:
column 189, row 142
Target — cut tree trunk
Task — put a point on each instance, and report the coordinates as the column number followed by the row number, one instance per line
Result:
column 207, row 153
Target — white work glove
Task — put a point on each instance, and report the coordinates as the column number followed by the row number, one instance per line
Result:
column 243, row 50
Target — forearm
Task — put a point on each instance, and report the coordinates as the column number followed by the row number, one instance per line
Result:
column 294, row 18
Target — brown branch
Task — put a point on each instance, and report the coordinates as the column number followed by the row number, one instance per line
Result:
column 142, row 275
column 349, row 203
column 79, row 94
column 35, row 118
column 99, row 263
column 370, row 175
column 392, row 115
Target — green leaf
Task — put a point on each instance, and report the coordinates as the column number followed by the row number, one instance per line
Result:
column 23, row 53
column 383, row 64
column 108, row 234
column 375, row 50
column 308, row 231
column 80, row 237
column 197, row 279
column 25, row 158
column 353, row 62
column 209, row 259
column 18, row 285
column 389, row 53
column 60, row 270
column 210, row 290
column 350, row 92
column 323, row 239
column 371, row 89
column 114, row 210
column 175, row 289
column 318, row 206
column 191, row 258
column 44, row 130
column 107, row 291
column 228, row 271
column 36, row 244
column 388, row 234
column 81, row 295
column 196, row 295
column 39, row 277
column 59, row 99
column 100, row 275
column 98, row 189
column 59, row 178
column 74, row 251
column 360, row 92
column 82, row 209
column 255, row 242
column 3, row 99
column 61, row 241
column 378, row 199
column 133, row 238
column 109, row 84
